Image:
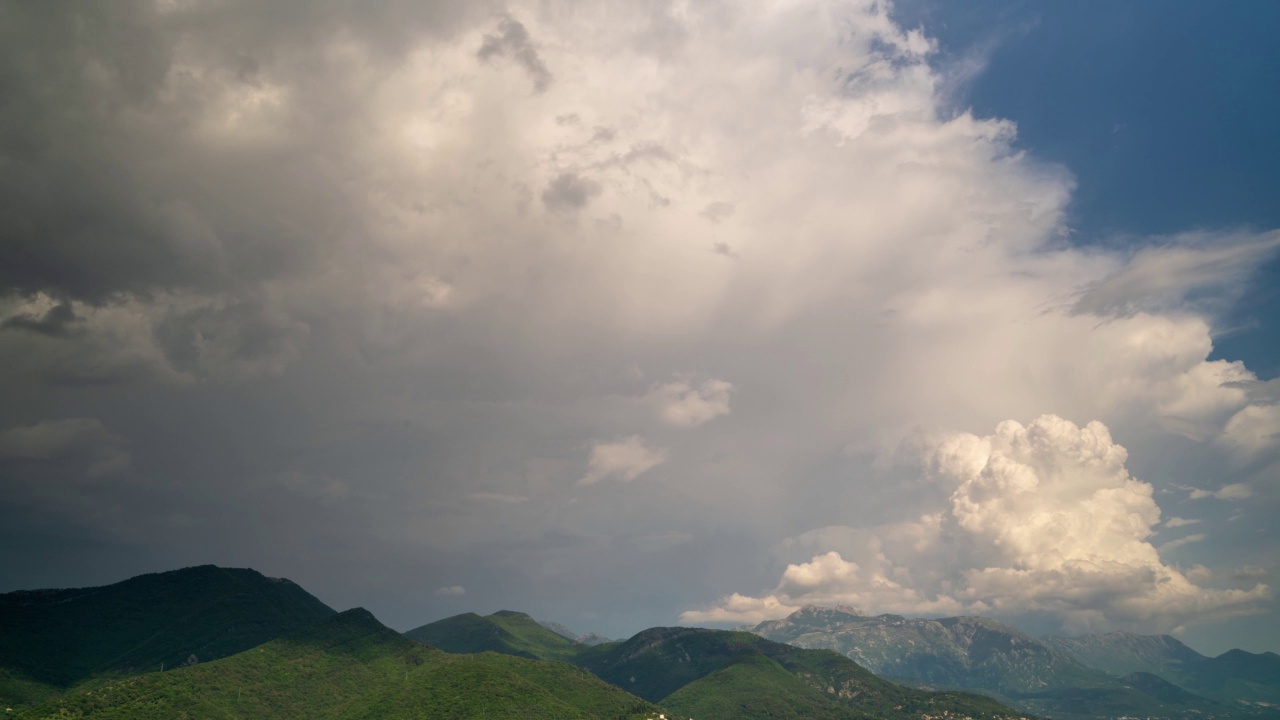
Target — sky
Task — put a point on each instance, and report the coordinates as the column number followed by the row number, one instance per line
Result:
column 649, row 313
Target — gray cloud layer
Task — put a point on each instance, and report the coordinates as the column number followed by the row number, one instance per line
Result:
column 605, row 307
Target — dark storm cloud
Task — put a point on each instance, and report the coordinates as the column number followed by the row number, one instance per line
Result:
column 109, row 182
column 245, row 339
column 59, row 321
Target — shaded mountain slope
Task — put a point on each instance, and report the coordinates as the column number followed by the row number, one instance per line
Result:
column 1233, row 676
column 54, row 639
column 1121, row 653
column 353, row 667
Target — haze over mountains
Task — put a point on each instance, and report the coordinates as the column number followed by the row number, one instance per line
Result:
column 217, row 642
column 1109, row 675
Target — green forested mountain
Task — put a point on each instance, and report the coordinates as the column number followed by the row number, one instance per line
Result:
column 718, row 674
column 56, row 639
column 351, row 667
column 506, row 631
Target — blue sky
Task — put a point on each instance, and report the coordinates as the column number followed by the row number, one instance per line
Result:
column 630, row 314
column 1165, row 114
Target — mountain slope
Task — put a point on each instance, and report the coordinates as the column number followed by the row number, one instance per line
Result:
column 1238, row 675
column 968, row 652
column 1231, row 677
column 591, row 638
column 506, row 631
column 1121, row 653
column 352, row 667
column 1051, row 677
column 717, row 674
column 54, row 639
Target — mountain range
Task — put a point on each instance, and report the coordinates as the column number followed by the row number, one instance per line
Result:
column 351, row 667
column 1118, row 674
column 713, row 674
column 211, row 642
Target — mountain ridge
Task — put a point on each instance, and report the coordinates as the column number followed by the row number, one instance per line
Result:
column 55, row 639
column 351, row 667
column 1051, row 676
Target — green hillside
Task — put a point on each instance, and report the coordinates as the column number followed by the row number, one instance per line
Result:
column 756, row 687
column 506, row 631
column 716, row 674
column 56, row 639
column 352, row 667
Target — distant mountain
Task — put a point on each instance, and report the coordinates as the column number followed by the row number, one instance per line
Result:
column 351, row 666
column 1048, row 677
column 51, row 640
column 1121, row 653
column 1234, row 676
column 713, row 674
column 559, row 629
column 716, row 674
column 969, row 652
column 506, row 631
column 591, row 638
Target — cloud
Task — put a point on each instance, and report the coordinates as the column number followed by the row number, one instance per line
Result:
column 1233, row 491
column 569, row 191
column 1253, row 429
column 58, row 321
column 513, row 41
column 1177, row 522
column 1172, row 544
column 500, row 498
column 417, row 246
column 1162, row 277
column 81, row 440
column 684, row 404
column 233, row 341
column 450, row 591
column 1043, row 519
column 625, row 459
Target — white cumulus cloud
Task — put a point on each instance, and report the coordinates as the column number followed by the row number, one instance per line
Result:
column 686, row 404
column 625, row 459
column 1043, row 519
column 1232, row 491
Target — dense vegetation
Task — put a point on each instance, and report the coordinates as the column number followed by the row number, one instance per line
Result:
column 56, row 639
column 506, row 631
column 352, row 667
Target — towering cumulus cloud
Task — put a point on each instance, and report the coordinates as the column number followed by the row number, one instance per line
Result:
column 1043, row 519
